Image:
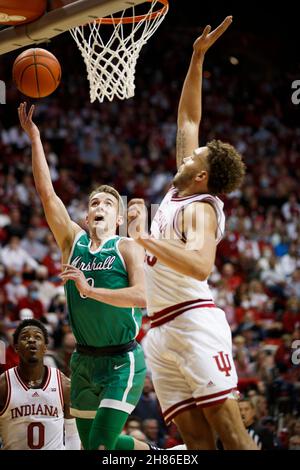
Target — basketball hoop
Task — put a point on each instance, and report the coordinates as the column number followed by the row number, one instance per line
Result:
column 110, row 58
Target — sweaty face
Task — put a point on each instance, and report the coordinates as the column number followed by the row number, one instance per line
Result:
column 103, row 213
column 31, row 345
column 190, row 168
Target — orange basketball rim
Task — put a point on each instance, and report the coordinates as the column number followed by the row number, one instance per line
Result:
column 15, row 12
column 138, row 18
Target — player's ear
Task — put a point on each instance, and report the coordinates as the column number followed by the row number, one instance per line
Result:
column 120, row 220
column 201, row 176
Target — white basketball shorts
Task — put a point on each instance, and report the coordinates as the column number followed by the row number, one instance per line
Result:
column 191, row 362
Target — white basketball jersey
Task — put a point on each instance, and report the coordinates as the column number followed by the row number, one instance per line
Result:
column 165, row 287
column 33, row 418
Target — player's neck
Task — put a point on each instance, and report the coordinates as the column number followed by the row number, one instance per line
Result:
column 32, row 374
column 96, row 241
column 191, row 191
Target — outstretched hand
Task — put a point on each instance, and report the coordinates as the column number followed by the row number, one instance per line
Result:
column 209, row 37
column 26, row 121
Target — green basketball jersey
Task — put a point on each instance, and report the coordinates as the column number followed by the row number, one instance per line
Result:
column 95, row 323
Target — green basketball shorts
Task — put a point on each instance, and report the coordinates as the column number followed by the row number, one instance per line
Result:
column 107, row 381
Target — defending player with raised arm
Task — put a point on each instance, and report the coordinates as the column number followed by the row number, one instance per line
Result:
column 104, row 284
column 35, row 399
column 189, row 346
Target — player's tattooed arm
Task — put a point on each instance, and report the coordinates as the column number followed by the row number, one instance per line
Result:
column 180, row 147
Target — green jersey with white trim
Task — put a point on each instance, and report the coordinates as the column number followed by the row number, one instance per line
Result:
column 95, row 323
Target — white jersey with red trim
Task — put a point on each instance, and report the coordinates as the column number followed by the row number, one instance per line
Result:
column 33, row 418
column 166, row 288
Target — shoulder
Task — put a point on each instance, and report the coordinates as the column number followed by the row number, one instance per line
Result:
column 3, row 390
column 202, row 210
column 125, row 243
column 130, row 250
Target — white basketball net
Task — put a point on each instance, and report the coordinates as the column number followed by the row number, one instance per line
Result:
column 111, row 61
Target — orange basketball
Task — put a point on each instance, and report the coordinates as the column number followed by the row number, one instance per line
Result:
column 37, row 73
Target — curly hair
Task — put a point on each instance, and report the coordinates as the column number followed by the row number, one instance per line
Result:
column 226, row 168
column 30, row 322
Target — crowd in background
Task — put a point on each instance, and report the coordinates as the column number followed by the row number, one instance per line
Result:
column 131, row 145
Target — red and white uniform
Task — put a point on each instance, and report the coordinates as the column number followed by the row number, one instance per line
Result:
column 189, row 347
column 33, row 418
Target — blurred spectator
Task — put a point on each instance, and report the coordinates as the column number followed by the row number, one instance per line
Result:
column 150, row 428
column 33, row 246
column 32, row 302
column 294, row 441
column 291, row 317
column 47, row 290
column 133, row 423
column 14, row 258
column 15, row 289
column 15, row 226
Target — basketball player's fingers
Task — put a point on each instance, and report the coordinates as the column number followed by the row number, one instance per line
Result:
column 221, row 28
column 30, row 113
column 132, row 211
column 20, row 110
column 68, row 266
column 68, row 275
column 136, row 201
column 207, row 30
column 132, row 217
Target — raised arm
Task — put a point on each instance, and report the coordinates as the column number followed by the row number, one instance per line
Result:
column 190, row 104
column 62, row 227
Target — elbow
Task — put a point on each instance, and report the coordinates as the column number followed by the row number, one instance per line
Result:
column 44, row 193
column 141, row 302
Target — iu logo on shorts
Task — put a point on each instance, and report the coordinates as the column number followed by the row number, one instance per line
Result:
column 223, row 362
